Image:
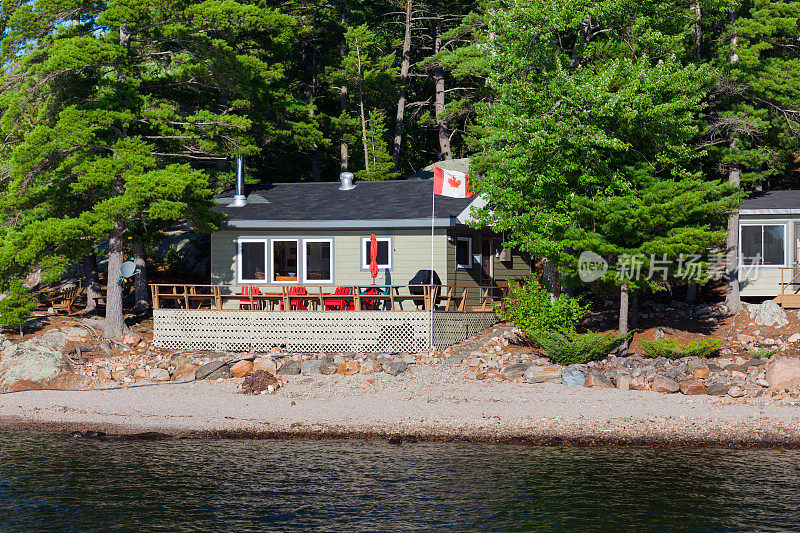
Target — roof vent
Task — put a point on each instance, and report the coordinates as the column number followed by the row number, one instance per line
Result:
column 347, row 181
column 239, row 199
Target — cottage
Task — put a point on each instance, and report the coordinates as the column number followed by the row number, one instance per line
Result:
column 318, row 235
column 769, row 246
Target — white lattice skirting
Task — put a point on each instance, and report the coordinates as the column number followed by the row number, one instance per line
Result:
column 309, row 331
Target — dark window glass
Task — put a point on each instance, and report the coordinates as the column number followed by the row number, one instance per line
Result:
column 284, row 260
column 254, row 260
column 318, row 261
column 383, row 253
column 773, row 245
column 463, row 253
column 751, row 244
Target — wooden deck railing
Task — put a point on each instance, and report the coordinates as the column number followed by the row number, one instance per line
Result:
column 271, row 298
column 794, row 275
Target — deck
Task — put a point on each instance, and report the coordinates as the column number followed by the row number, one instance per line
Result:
column 215, row 317
column 789, row 296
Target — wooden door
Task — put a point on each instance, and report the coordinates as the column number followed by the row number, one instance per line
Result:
column 487, row 265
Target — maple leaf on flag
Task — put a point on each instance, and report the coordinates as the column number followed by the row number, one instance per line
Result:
column 454, row 183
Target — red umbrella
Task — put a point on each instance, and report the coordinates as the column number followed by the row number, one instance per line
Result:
column 373, row 257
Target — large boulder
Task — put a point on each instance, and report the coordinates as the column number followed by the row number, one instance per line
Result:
column 394, row 368
column 783, row 373
column 185, row 372
column 514, row 371
column 542, row 374
column 596, row 380
column 664, row 384
column 692, row 386
column 241, row 368
column 573, row 377
column 768, row 313
column 38, row 359
column 214, row 370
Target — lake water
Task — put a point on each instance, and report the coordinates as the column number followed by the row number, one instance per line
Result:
column 52, row 481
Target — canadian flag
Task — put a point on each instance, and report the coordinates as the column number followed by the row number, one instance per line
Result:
column 451, row 183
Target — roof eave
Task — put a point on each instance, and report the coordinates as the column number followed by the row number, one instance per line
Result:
column 339, row 224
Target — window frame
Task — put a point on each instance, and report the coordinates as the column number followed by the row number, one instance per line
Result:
column 363, row 252
column 468, row 240
column 239, row 262
column 305, row 279
column 272, row 242
column 761, row 224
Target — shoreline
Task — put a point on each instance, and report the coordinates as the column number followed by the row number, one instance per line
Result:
column 414, row 407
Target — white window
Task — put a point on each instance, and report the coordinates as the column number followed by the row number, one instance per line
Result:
column 252, row 260
column 464, row 252
column 384, row 252
column 763, row 244
column 284, row 260
column 318, row 260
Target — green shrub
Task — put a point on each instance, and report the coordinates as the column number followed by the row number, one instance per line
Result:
column 670, row 348
column 567, row 348
column 529, row 307
column 762, row 353
column 17, row 305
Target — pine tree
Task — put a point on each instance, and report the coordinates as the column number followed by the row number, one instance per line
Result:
column 380, row 160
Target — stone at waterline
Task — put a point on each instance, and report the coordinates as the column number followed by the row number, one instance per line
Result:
column 185, row 372
column 596, row 380
column 514, row 371
column 783, row 373
column 328, row 367
column 717, row 389
column 573, row 377
column 542, row 374
column 394, row 368
column 692, row 386
column 69, row 380
column 158, row 374
column 310, row 366
column 664, row 384
column 214, row 370
column 290, row 368
column 241, row 368
column 23, row 385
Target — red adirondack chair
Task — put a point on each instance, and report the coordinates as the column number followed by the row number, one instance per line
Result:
column 340, row 305
column 249, row 303
column 296, row 290
column 370, row 305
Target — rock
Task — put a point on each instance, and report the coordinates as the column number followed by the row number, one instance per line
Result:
column 573, row 377
column 735, row 392
column 37, row 359
column 185, row 372
column 104, row 374
column 140, row 373
column 622, row 381
column 596, row 380
column 716, row 389
column 515, row 371
column 783, row 373
column 131, row 340
column 290, row 368
column 74, row 333
column 454, row 360
column 542, row 374
column 265, row 363
column 23, row 385
column 692, row 386
column 751, row 390
column 241, row 368
column 394, row 368
column 701, row 373
column 310, row 366
column 370, row 366
column 348, row 368
column 328, row 367
column 664, row 384
column 121, row 374
column 213, row 370
column 69, row 380
column 794, row 338
column 158, row 374
column 768, row 313
column 640, row 382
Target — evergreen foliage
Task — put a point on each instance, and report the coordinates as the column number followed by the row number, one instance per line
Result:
column 569, row 348
column 529, row 307
column 670, row 348
column 17, row 305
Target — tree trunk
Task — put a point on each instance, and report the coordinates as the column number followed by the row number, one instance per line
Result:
column 438, row 75
column 634, row 320
column 698, row 31
column 361, row 104
column 691, row 293
column 401, row 102
column 142, row 291
column 115, row 322
column 550, row 277
column 345, row 156
column 92, row 282
column 733, row 300
column 624, row 309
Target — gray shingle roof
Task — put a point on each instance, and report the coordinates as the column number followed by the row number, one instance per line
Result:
column 772, row 200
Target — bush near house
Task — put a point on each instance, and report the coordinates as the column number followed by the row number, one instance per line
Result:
column 670, row 348
column 529, row 307
column 568, row 348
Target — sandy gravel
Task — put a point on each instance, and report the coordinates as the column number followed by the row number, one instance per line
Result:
column 429, row 401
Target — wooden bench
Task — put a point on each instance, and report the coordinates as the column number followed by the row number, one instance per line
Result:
column 65, row 301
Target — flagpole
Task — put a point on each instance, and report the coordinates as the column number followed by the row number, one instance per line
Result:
column 433, row 214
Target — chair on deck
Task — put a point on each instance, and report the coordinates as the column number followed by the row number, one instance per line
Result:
column 296, row 290
column 370, row 305
column 248, row 303
column 340, row 305
column 66, row 300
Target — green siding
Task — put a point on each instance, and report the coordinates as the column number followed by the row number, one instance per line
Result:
column 765, row 281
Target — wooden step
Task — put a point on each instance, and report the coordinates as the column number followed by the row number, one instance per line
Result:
column 788, row 301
